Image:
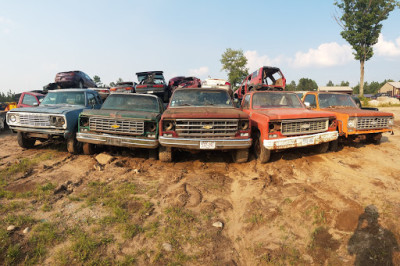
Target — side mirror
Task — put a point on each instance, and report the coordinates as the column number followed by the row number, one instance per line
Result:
column 307, row 104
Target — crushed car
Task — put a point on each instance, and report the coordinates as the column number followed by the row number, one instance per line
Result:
column 125, row 120
column 280, row 121
column 55, row 118
column 204, row 119
column 153, row 82
column 183, row 82
column 125, row 86
column 354, row 123
column 217, row 84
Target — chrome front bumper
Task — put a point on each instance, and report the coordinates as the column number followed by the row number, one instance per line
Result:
column 195, row 144
column 114, row 140
column 300, row 141
column 44, row 131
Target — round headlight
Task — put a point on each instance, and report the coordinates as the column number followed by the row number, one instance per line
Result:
column 169, row 125
column 13, row 118
column 244, row 125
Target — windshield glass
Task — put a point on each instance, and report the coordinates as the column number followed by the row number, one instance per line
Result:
column 275, row 100
column 129, row 102
column 335, row 100
column 197, row 97
column 65, row 97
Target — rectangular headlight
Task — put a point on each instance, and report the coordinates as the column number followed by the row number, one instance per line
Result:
column 352, row 122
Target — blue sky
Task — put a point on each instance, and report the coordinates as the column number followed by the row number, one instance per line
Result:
column 116, row 39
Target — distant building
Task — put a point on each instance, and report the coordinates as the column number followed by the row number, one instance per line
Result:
column 344, row 89
column 391, row 88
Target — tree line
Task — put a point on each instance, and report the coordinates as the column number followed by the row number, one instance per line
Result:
column 7, row 97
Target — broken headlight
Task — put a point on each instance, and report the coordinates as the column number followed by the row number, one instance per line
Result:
column 57, row 121
column 352, row 122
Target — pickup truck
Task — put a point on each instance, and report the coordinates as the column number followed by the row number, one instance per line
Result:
column 153, row 82
column 124, row 120
column 354, row 123
column 204, row 119
column 30, row 99
column 280, row 121
column 56, row 117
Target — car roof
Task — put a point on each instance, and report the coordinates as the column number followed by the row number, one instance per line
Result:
column 149, row 72
column 265, row 91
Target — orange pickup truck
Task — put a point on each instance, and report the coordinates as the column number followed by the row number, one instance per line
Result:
column 353, row 123
column 280, row 121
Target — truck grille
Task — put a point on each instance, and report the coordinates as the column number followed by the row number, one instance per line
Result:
column 372, row 122
column 304, row 126
column 206, row 128
column 117, row 126
column 36, row 120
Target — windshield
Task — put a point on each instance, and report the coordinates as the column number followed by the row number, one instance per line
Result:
column 275, row 100
column 334, row 100
column 201, row 98
column 65, row 97
column 151, row 78
column 131, row 103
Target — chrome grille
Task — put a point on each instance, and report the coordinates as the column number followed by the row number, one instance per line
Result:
column 206, row 128
column 118, row 126
column 372, row 122
column 304, row 126
column 36, row 120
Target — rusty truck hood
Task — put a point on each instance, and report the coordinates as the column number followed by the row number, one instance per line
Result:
column 204, row 112
column 357, row 112
column 293, row 113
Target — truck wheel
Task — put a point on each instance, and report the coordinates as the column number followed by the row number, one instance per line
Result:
column 322, row 148
column 263, row 154
column 25, row 142
column 165, row 154
column 88, row 148
column 333, row 145
column 241, row 156
column 73, row 146
column 153, row 154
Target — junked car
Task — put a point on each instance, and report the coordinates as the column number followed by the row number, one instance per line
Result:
column 217, row 84
column 153, row 82
column 183, row 82
column 125, row 86
column 354, row 123
column 204, row 119
column 55, row 117
column 280, row 121
column 124, row 120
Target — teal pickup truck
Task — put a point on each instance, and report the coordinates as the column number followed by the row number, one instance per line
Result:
column 125, row 120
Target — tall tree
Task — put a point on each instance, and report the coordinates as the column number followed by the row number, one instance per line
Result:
column 344, row 83
column 361, row 21
column 291, row 86
column 306, row 84
column 97, row 80
column 330, row 84
column 234, row 63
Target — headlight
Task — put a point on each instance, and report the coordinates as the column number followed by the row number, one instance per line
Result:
column 151, row 126
column 57, row 121
column 84, row 121
column 243, row 124
column 168, row 125
column 391, row 121
column 13, row 118
column 352, row 122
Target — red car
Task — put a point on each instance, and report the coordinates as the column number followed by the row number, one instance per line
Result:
column 74, row 79
column 264, row 78
column 184, row 82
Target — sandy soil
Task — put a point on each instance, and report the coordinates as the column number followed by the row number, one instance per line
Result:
column 300, row 208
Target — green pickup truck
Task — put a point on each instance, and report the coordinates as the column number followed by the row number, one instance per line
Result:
column 124, row 120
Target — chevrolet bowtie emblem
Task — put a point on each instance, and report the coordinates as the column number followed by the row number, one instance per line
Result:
column 207, row 127
column 115, row 126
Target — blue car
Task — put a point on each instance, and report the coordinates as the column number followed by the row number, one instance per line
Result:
column 56, row 117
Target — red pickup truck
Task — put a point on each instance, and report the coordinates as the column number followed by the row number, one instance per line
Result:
column 280, row 121
column 30, row 99
column 204, row 119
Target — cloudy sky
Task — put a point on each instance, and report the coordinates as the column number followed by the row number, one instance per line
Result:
column 116, row 39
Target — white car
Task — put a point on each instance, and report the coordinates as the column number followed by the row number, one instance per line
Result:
column 217, row 84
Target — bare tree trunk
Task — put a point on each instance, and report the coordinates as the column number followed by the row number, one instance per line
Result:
column 361, row 93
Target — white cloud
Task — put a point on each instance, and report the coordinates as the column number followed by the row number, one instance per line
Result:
column 326, row 55
column 387, row 48
column 198, row 72
column 255, row 61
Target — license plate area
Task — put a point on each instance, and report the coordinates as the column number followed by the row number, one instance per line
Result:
column 112, row 141
column 308, row 141
column 207, row 145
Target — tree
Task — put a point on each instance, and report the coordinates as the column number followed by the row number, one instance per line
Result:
column 113, row 84
column 234, row 62
column 306, row 84
column 291, row 86
column 344, row 83
column 97, row 80
column 361, row 24
column 330, row 84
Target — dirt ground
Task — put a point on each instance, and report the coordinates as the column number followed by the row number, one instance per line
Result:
column 301, row 208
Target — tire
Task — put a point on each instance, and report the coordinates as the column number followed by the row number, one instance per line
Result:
column 263, row 154
column 334, row 145
column 153, row 154
column 88, row 148
column 73, row 146
column 165, row 154
column 25, row 142
column 322, row 148
column 240, row 156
